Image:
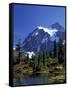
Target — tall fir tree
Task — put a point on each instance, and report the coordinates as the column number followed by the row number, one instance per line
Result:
column 19, row 51
column 33, row 62
column 50, row 54
column 43, row 58
column 39, row 60
column 27, row 59
column 60, row 52
column 55, row 49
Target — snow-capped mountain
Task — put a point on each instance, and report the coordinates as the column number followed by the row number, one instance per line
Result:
column 43, row 37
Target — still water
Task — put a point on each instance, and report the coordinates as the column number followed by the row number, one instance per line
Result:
column 34, row 80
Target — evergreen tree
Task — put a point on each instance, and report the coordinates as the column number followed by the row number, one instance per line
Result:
column 64, row 52
column 19, row 51
column 60, row 51
column 46, row 48
column 55, row 49
column 43, row 58
column 39, row 60
column 27, row 59
column 50, row 54
column 32, row 59
column 46, row 54
column 33, row 63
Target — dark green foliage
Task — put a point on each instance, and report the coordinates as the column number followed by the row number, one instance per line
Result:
column 55, row 49
column 32, row 62
column 51, row 54
column 60, row 52
column 39, row 60
column 27, row 59
column 32, row 58
column 18, row 70
column 43, row 58
column 46, row 53
column 19, row 51
column 64, row 52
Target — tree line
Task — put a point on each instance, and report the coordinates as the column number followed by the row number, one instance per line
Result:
column 58, row 52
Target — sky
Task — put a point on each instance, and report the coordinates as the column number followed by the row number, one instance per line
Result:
column 26, row 18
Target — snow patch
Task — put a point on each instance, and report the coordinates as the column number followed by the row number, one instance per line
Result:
column 36, row 33
column 44, row 39
column 30, row 54
column 14, row 48
column 57, row 39
column 48, row 30
column 53, row 38
column 63, row 42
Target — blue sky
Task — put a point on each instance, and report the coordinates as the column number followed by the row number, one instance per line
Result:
column 28, row 17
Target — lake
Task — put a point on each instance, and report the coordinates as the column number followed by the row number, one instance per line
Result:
column 33, row 80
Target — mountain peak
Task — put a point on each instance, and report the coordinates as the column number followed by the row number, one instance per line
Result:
column 56, row 23
column 57, row 26
column 37, row 39
column 50, row 31
column 40, row 27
